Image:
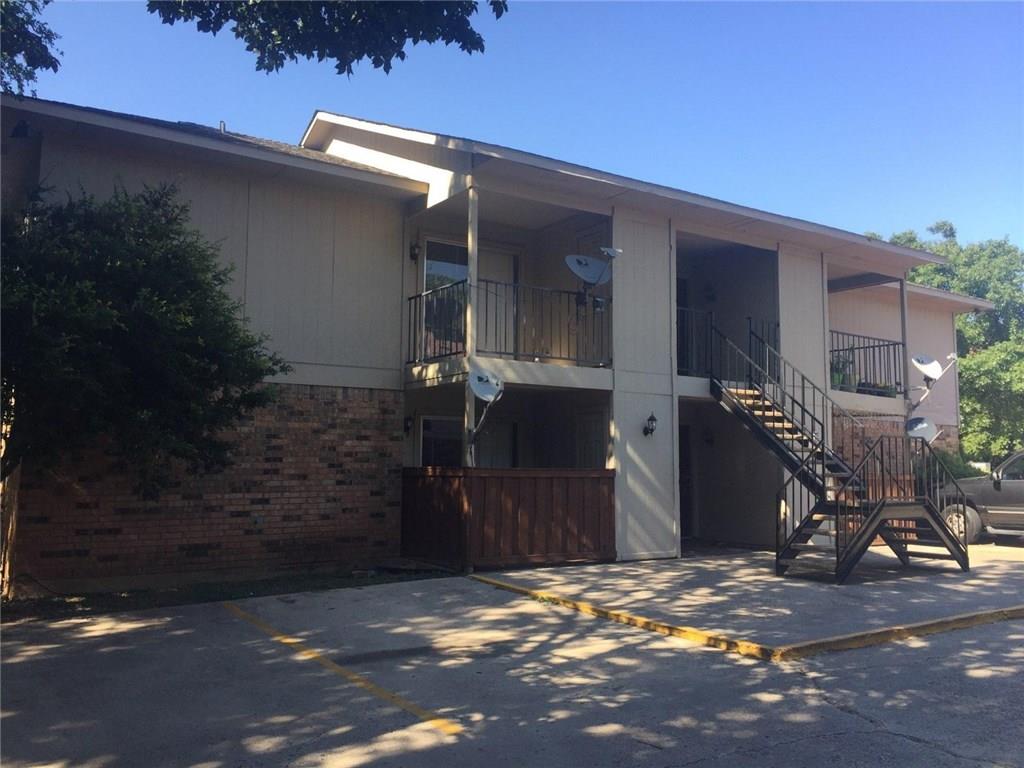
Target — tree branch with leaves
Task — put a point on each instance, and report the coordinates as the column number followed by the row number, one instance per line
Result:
column 342, row 32
column 26, row 44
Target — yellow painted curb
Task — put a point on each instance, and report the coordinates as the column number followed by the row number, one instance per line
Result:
column 443, row 724
column 888, row 634
column 694, row 635
column 766, row 652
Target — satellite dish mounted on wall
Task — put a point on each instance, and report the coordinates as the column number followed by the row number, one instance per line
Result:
column 484, row 385
column 931, row 370
column 921, row 427
column 487, row 387
column 929, row 367
column 591, row 270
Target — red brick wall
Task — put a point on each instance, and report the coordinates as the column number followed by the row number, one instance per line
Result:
column 316, row 479
column 876, row 426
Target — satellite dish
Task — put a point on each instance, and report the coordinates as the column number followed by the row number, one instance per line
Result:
column 923, row 428
column 488, row 388
column 485, row 386
column 929, row 367
column 611, row 253
column 590, row 270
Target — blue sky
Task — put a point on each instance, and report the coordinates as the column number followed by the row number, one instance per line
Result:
column 866, row 116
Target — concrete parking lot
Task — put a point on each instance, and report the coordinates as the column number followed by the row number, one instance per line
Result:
column 452, row 672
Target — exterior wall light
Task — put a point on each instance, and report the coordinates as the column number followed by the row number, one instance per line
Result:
column 651, row 425
column 414, row 251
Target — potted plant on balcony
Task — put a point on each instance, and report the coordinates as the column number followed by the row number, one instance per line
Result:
column 841, row 368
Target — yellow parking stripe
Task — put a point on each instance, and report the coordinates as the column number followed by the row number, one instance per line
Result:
column 446, row 726
column 767, row 652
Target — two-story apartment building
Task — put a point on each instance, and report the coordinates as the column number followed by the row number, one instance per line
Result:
column 727, row 382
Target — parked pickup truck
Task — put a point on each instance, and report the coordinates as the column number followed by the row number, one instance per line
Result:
column 995, row 502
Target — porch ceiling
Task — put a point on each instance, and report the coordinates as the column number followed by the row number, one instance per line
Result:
column 577, row 185
column 502, row 209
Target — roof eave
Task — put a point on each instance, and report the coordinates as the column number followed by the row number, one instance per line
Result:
column 111, row 121
column 623, row 183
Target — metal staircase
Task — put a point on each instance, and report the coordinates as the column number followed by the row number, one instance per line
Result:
column 843, row 493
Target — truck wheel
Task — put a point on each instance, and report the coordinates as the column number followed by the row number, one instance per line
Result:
column 957, row 516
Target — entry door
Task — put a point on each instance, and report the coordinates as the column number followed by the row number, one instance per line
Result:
column 686, row 334
column 685, row 484
column 591, row 440
column 443, row 307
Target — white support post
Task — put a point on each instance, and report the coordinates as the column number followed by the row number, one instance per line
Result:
column 472, row 260
column 673, row 320
column 906, row 345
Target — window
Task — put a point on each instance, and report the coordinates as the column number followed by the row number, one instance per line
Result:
column 1014, row 470
column 444, row 308
column 445, row 264
column 441, row 442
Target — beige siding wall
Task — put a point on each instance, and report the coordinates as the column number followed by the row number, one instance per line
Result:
column 646, row 516
column 317, row 267
column 930, row 331
column 802, row 311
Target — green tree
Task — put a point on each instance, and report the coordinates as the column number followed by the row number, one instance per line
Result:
column 117, row 329
column 341, row 32
column 26, row 44
column 344, row 32
column 990, row 344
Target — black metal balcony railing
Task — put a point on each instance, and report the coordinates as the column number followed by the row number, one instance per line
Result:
column 521, row 322
column 866, row 364
column 693, row 342
column 525, row 322
column 437, row 323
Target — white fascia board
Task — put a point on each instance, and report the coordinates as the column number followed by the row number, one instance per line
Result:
column 441, row 182
column 958, row 303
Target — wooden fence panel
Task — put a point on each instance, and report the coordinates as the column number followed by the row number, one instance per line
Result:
column 492, row 518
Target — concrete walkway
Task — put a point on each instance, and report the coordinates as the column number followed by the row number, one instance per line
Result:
column 738, row 595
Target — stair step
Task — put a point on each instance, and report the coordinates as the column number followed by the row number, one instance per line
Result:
column 820, row 532
column 910, row 534
column 930, row 555
column 738, row 391
column 815, row 564
column 809, row 547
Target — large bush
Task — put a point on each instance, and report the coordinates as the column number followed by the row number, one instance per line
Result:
column 118, row 330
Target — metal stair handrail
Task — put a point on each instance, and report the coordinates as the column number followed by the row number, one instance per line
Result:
column 730, row 365
column 878, row 481
column 788, row 498
column 772, row 352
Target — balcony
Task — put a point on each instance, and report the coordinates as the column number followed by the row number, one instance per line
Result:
column 513, row 321
column 866, row 365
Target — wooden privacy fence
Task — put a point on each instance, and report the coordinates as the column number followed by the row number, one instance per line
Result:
column 491, row 518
